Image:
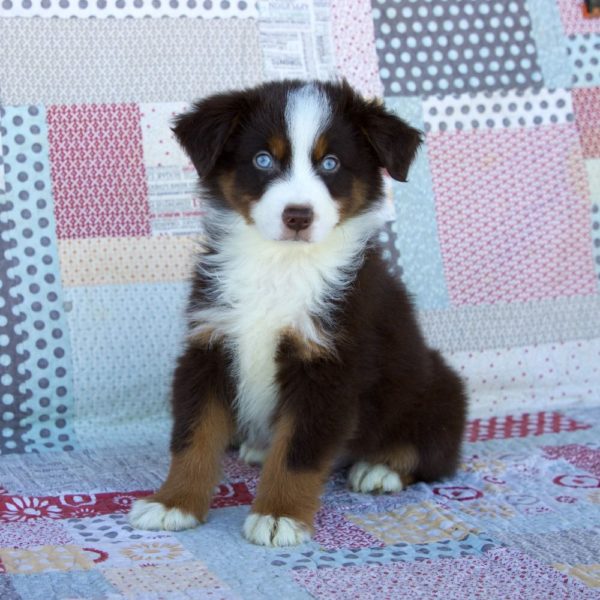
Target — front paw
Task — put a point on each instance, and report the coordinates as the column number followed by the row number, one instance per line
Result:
column 266, row 530
column 152, row 515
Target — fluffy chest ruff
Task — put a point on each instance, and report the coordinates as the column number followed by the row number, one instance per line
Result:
column 259, row 290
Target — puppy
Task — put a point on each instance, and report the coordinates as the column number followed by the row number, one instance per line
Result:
column 300, row 341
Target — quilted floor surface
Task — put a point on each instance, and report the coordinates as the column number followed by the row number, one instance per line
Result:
column 521, row 519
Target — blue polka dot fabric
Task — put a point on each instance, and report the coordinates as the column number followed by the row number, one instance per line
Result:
column 43, row 376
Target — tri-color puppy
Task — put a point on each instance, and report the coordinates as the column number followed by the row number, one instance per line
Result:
column 300, row 342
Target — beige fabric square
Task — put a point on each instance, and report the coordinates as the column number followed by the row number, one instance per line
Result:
column 45, row 558
column 413, row 524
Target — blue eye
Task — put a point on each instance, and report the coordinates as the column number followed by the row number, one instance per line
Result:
column 330, row 163
column 263, row 161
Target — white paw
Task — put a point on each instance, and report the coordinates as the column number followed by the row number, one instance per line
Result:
column 145, row 514
column 266, row 530
column 252, row 456
column 365, row 477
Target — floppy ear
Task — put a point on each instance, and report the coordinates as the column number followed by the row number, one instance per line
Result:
column 204, row 130
column 395, row 142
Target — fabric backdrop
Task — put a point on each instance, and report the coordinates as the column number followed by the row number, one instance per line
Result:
column 496, row 235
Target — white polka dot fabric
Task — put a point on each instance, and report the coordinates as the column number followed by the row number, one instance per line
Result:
column 429, row 47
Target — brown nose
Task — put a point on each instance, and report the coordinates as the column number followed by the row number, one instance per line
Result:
column 297, row 217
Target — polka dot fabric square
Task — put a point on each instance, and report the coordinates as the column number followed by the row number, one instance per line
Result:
column 498, row 110
column 513, row 217
column 98, row 171
column 433, row 47
column 120, row 9
column 573, row 20
column 40, row 390
column 584, row 55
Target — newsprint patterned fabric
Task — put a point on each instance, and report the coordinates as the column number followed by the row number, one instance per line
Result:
column 497, row 236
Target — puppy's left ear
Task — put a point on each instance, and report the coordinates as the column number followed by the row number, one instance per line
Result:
column 395, row 142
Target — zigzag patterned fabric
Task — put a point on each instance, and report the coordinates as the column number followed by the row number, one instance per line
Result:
column 496, row 235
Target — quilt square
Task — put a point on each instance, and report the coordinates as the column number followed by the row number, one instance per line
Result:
column 354, row 40
column 441, row 47
column 334, row 530
column 502, row 239
column 40, row 559
column 573, row 20
column 586, row 104
column 500, row 573
column 164, row 579
column 583, row 53
column 175, row 205
column 413, row 524
column 98, row 173
column 24, row 534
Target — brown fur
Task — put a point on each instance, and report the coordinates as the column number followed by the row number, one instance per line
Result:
column 320, row 149
column 352, row 204
column 285, row 492
column 195, row 471
column 279, row 147
column 306, row 349
column 228, row 189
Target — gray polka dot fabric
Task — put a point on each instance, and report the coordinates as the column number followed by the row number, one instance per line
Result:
column 430, row 47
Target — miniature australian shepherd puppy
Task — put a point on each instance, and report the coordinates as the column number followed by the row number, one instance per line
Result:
column 300, row 344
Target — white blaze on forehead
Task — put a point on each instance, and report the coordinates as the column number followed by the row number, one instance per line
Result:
column 307, row 114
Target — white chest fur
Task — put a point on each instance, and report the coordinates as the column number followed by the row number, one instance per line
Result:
column 264, row 287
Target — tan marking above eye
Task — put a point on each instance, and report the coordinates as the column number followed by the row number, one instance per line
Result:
column 320, row 149
column 278, row 147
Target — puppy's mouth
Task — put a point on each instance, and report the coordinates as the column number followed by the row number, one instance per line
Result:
column 296, row 236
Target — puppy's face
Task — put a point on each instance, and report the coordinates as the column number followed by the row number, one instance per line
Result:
column 295, row 159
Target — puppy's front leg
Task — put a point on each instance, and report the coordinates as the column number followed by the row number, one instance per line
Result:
column 203, row 426
column 288, row 495
column 316, row 414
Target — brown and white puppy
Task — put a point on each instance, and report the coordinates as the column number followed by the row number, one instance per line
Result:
column 299, row 339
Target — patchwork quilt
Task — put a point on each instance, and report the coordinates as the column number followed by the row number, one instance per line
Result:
column 521, row 520
column 496, row 235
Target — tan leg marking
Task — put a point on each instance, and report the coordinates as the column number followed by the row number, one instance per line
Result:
column 287, row 500
column 185, row 497
column 389, row 471
column 404, row 460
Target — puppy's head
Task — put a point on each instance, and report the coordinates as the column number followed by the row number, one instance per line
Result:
column 296, row 159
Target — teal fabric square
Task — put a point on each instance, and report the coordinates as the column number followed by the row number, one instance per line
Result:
column 416, row 224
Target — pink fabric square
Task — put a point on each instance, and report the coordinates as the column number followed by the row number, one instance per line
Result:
column 333, row 531
column 571, row 14
column 513, row 214
column 98, row 178
column 586, row 105
column 501, row 573
column 354, row 40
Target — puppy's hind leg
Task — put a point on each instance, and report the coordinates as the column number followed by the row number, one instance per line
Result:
column 388, row 472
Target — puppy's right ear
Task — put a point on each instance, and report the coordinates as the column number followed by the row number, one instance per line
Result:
column 204, row 130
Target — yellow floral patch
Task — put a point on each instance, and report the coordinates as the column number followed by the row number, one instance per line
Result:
column 588, row 574
column 163, row 579
column 153, row 552
column 413, row 524
column 45, row 558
